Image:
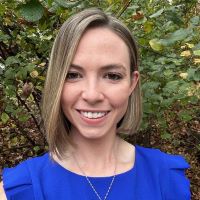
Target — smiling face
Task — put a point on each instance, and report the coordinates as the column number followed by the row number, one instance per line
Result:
column 98, row 84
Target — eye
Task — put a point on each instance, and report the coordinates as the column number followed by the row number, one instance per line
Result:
column 113, row 76
column 73, row 75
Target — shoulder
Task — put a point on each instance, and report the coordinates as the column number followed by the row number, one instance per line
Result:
column 156, row 156
column 2, row 192
column 19, row 178
column 22, row 170
column 38, row 162
column 169, row 170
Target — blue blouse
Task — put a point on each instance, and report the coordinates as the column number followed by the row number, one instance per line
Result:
column 155, row 176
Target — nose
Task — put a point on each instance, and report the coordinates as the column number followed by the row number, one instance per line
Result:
column 92, row 92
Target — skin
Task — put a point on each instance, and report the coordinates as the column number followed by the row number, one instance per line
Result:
column 99, row 80
column 2, row 193
column 101, row 58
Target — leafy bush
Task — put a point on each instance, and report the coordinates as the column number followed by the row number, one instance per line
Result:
column 168, row 36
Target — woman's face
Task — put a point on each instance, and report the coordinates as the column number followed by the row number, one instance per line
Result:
column 98, row 84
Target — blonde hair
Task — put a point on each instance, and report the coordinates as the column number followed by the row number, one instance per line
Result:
column 56, row 125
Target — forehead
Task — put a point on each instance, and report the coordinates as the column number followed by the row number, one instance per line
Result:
column 104, row 45
column 103, row 36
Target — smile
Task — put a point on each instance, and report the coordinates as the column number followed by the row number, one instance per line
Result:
column 93, row 115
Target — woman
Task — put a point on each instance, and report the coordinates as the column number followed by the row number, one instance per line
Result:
column 91, row 96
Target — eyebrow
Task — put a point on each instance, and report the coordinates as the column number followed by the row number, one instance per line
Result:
column 105, row 67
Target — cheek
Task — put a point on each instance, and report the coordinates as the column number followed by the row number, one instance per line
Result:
column 120, row 106
column 66, row 102
column 120, row 103
column 119, row 96
column 66, row 97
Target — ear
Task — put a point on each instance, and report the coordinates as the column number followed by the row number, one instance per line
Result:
column 134, row 80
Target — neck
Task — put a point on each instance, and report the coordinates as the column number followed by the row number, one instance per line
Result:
column 96, row 156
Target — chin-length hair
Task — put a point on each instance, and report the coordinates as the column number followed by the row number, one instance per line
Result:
column 56, row 125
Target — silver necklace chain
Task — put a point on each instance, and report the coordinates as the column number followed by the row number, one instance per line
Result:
column 92, row 186
column 109, row 188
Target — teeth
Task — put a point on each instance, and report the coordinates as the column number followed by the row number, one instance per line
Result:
column 93, row 115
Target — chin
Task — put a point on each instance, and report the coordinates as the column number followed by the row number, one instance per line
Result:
column 93, row 134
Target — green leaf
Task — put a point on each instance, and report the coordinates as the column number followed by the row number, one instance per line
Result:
column 156, row 44
column 148, row 26
column 166, row 102
column 148, row 108
column 150, row 85
column 54, row 7
column 168, row 73
column 30, row 67
column 196, row 47
column 158, row 13
column 45, row 37
column 23, row 118
column 185, row 116
column 195, row 20
column 2, row 9
column 191, row 73
column 178, row 35
column 194, row 99
column 14, row 141
column 166, row 136
column 22, row 73
column 4, row 37
column 171, row 87
column 174, row 16
column 155, row 98
column 49, row 2
column 196, row 53
column 32, row 11
column 162, row 121
column 4, row 117
column 183, row 89
column 9, row 108
column 36, row 148
column 17, row 111
column 110, row 1
column 11, row 90
column 67, row 4
column 11, row 60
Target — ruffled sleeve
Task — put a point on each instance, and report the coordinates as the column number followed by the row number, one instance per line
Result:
column 17, row 183
column 175, row 185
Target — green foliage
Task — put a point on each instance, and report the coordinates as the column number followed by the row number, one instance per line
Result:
column 66, row 4
column 167, row 34
column 4, row 117
column 32, row 11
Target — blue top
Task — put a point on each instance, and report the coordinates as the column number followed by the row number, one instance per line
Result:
column 155, row 176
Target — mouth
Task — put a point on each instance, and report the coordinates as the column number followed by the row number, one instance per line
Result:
column 93, row 114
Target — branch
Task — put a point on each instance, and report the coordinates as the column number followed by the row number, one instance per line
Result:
column 36, row 100
column 2, row 54
column 21, row 129
column 29, row 111
column 3, row 51
column 123, row 9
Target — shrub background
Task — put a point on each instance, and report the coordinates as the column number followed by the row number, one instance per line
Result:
column 168, row 35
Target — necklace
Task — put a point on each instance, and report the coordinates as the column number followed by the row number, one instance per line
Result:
column 92, row 186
